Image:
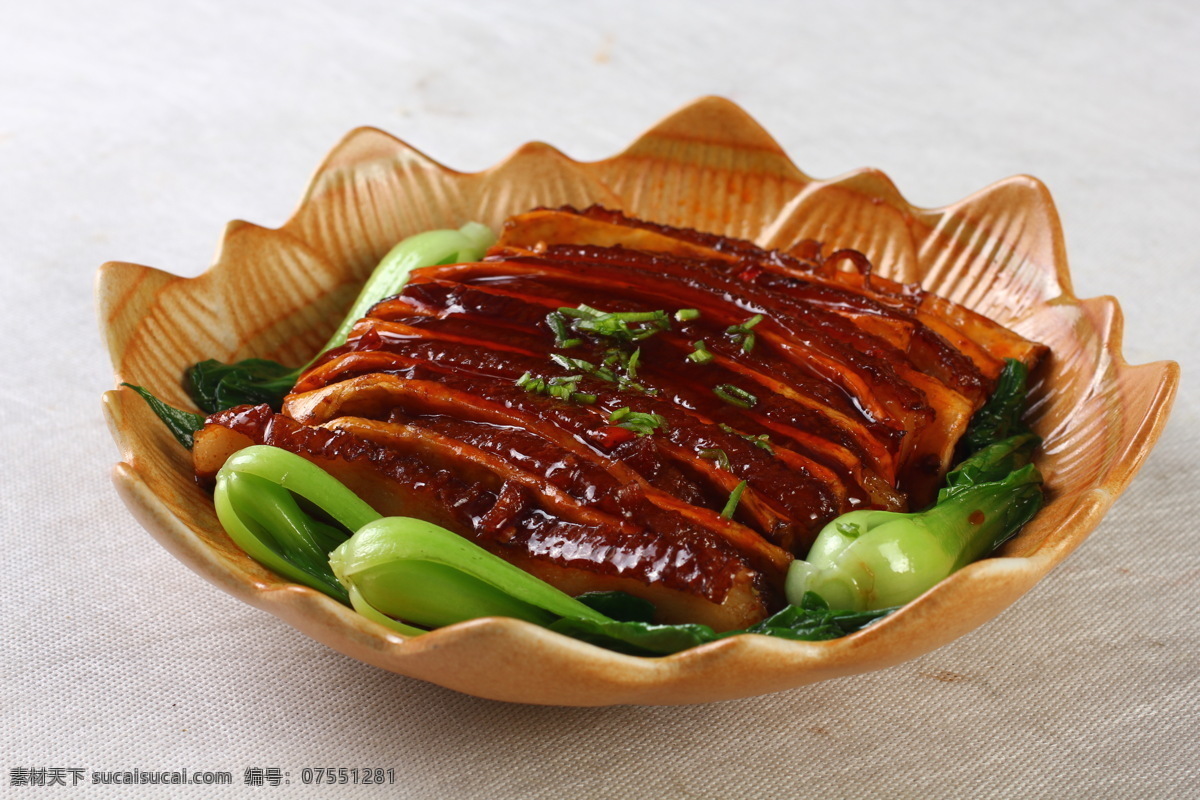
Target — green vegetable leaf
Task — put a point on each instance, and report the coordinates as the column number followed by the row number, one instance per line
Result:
column 427, row 249
column 984, row 516
column 870, row 559
column 620, row 606
column 810, row 621
column 813, row 621
column 634, row 638
column 993, row 463
column 867, row 560
column 415, row 571
column 264, row 520
column 255, row 499
column 1000, row 416
column 398, row 570
column 215, row 386
column 182, row 424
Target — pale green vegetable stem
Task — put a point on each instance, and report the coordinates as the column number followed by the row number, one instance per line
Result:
column 414, row 570
column 431, row 248
column 391, row 568
column 868, row 560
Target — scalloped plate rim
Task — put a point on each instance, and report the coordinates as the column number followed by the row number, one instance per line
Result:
column 284, row 600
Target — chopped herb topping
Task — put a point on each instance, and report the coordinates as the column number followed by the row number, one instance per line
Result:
column 735, row 396
column 762, row 441
column 561, row 388
column 619, row 365
column 562, row 333
column 530, row 383
column 585, row 366
column 624, row 326
column 631, row 364
column 745, row 327
column 742, row 333
column 700, row 353
column 558, row 324
column 636, row 421
column 685, row 314
column 716, row 454
column 734, row 497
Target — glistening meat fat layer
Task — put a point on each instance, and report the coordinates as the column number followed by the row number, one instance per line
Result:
column 613, row 404
column 689, row 561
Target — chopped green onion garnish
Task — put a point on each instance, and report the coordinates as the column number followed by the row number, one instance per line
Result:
column 562, row 388
column 734, row 497
column 745, row 326
column 566, row 362
column 716, row 454
column 562, row 333
column 700, row 354
column 632, row 364
column 742, row 333
column 735, row 396
column 625, row 326
column 619, row 366
column 558, row 324
column 636, row 421
column 685, row 314
column 762, row 441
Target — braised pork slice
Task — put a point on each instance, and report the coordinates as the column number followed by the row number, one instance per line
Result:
column 614, row 404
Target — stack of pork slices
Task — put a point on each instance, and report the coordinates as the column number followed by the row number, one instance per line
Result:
column 613, row 404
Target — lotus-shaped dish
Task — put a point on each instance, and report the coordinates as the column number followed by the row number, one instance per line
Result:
column 278, row 294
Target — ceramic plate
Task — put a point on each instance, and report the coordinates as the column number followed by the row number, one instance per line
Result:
column 278, row 294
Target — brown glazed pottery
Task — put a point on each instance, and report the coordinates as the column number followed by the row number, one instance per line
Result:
column 279, row 293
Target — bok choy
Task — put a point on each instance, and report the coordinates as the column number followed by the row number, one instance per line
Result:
column 215, row 386
column 295, row 518
column 867, row 560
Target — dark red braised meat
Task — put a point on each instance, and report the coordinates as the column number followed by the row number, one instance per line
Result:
column 682, row 457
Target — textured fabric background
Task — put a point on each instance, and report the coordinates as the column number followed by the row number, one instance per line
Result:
column 135, row 131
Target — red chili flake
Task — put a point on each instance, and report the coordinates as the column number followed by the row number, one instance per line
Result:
column 750, row 273
column 977, row 517
column 611, row 436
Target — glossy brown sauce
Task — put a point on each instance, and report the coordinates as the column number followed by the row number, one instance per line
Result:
column 501, row 517
column 424, row 411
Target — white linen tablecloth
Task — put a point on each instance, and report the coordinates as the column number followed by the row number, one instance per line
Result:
column 134, row 131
